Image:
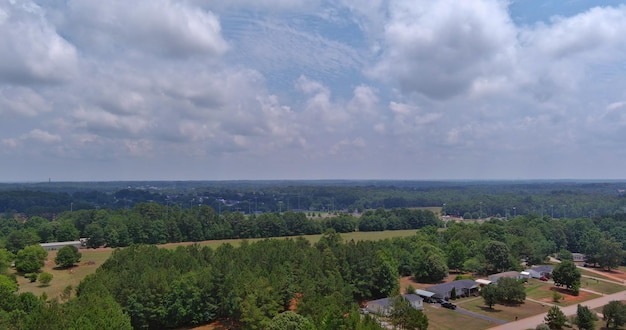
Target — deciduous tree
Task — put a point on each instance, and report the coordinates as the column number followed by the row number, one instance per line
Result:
column 67, row 256
column 30, row 259
column 566, row 274
column 555, row 318
column 490, row 295
column 614, row 314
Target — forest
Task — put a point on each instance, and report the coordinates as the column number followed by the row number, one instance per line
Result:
column 475, row 199
column 262, row 284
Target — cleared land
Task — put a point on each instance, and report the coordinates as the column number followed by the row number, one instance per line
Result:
column 93, row 258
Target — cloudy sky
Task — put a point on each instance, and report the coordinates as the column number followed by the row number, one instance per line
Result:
column 96, row 90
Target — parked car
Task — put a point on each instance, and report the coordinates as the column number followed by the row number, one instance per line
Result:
column 543, row 278
column 447, row 304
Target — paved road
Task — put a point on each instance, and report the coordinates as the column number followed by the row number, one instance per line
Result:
column 533, row 321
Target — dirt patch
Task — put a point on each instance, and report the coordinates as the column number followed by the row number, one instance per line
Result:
column 410, row 280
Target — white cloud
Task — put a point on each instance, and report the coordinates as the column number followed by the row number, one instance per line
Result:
column 42, row 136
column 438, row 49
column 150, row 27
column 31, row 49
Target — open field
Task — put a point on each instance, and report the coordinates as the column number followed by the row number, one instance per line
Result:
column 92, row 259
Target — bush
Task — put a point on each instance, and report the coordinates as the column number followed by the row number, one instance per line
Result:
column 556, row 297
column 32, row 277
column 410, row 289
column 45, row 278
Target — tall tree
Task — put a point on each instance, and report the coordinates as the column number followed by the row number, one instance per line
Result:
column 497, row 254
column 555, row 319
column 614, row 314
column 610, row 254
column 67, row 256
column 457, row 254
column 585, row 318
column 490, row 294
column 567, row 274
column 404, row 316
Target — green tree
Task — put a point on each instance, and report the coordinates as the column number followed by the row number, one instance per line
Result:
column 457, row 254
column 610, row 254
column 30, row 259
column 614, row 314
column 95, row 235
column 45, row 278
column 404, row 316
column 6, row 258
column 585, row 318
column 566, row 274
column 290, row 321
column 555, row 319
column 490, row 294
column 511, row 290
column 67, row 256
column 497, row 254
column 67, row 232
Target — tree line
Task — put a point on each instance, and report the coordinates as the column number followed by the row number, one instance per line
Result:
column 471, row 199
column 153, row 223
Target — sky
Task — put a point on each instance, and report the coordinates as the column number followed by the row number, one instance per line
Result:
column 113, row 90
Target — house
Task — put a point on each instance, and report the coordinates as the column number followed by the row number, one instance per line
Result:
column 512, row 274
column 383, row 306
column 58, row 245
column 578, row 257
column 540, row 271
column 462, row 288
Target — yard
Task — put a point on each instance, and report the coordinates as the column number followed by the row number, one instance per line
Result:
column 504, row 312
column 543, row 291
column 445, row 319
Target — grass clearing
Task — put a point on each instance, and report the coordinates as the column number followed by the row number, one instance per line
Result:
column 600, row 286
column 92, row 259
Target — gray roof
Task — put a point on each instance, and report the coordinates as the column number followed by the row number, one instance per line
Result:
column 445, row 287
column 543, row 268
column 386, row 302
column 424, row 293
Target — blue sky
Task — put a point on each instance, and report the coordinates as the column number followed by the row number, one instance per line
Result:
column 307, row 89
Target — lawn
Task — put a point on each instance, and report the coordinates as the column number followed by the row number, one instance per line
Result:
column 600, row 286
column 543, row 291
column 92, row 259
column 444, row 319
column 504, row 312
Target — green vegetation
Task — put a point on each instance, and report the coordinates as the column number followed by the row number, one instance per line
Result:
column 566, row 274
column 555, row 319
column 67, row 256
column 614, row 313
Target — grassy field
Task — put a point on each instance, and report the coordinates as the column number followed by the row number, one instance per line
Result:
column 92, row 259
column 543, row 291
column 503, row 312
column 444, row 319
column 600, row 286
